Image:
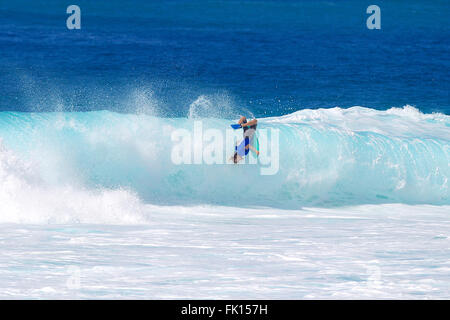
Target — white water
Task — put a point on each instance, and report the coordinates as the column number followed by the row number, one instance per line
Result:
column 372, row 251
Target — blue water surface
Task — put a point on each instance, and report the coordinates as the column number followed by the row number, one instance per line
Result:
column 271, row 57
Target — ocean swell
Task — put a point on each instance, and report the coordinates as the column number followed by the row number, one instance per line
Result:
column 328, row 157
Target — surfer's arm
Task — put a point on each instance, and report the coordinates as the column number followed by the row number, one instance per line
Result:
column 248, row 124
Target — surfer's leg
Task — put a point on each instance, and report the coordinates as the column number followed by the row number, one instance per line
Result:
column 254, row 150
column 236, row 158
column 247, row 145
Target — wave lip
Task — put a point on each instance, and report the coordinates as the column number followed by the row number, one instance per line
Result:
column 405, row 122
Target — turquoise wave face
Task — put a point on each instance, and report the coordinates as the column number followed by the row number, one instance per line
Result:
column 329, row 157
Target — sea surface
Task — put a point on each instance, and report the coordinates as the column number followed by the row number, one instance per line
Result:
column 357, row 202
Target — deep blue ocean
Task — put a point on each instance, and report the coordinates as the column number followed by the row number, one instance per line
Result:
column 266, row 57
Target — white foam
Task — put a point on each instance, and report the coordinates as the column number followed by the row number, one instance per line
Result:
column 395, row 122
column 26, row 198
column 372, row 251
